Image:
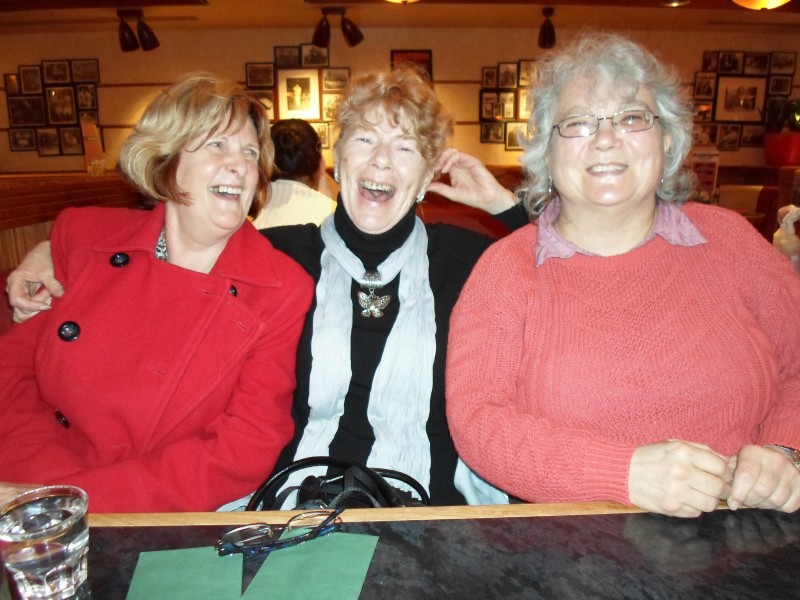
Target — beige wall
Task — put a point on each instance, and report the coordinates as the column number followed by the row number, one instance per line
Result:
column 458, row 55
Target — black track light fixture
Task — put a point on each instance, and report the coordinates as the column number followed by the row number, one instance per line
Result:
column 322, row 32
column 127, row 39
column 547, row 33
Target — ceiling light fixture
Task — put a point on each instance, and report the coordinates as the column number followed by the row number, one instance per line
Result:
column 547, row 33
column 760, row 4
column 402, row 1
column 322, row 32
column 127, row 39
column 674, row 3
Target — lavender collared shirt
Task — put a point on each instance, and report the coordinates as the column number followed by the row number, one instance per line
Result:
column 671, row 223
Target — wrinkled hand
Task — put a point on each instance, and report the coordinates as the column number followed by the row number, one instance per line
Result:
column 764, row 478
column 471, row 183
column 32, row 285
column 9, row 490
column 677, row 478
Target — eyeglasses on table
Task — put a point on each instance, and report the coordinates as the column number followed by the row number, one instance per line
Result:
column 260, row 538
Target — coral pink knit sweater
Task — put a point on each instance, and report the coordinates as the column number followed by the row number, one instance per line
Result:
column 556, row 374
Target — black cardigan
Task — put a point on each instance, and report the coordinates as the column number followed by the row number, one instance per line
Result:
column 452, row 252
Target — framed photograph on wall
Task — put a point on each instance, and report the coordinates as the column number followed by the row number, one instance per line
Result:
column 703, row 110
column 11, row 83
column 780, row 85
column 22, row 140
column 524, row 104
column 512, row 133
column 87, row 96
column 88, row 116
column 710, row 61
column 705, row 84
column 334, row 80
column 259, row 75
column 489, row 77
column 26, row 111
column 508, row 100
column 705, row 134
column 527, row 72
column 756, row 63
column 298, row 94
column 56, row 71
column 421, row 59
column 729, row 136
column 85, row 70
column 267, row 99
column 329, row 102
column 740, row 99
column 71, row 140
column 752, row 136
column 507, row 74
column 731, row 63
column 488, row 100
column 324, row 133
column 47, row 141
column 492, row 133
column 61, row 105
column 782, row 63
column 30, row 79
column 312, row 56
column 287, row 57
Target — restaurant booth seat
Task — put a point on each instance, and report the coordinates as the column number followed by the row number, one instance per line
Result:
column 757, row 203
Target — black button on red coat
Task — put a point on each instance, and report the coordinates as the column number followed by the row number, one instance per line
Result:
column 120, row 259
column 234, row 292
column 69, row 331
column 62, row 420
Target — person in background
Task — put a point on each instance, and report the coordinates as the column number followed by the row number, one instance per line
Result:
column 370, row 364
column 627, row 346
column 162, row 381
column 299, row 167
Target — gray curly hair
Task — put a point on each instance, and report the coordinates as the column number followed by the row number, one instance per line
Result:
column 602, row 59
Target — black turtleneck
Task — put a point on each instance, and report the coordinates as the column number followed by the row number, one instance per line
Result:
column 452, row 252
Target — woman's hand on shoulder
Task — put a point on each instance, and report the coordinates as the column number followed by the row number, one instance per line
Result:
column 678, row 478
column 471, row 183
column 764, row 478
column 32, row 285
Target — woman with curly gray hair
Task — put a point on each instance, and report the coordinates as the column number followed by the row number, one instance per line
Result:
column 622, row 348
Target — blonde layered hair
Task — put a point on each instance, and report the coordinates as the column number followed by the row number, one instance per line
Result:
column 407, row 98
column 195, row 106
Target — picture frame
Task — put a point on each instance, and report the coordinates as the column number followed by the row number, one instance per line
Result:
column 85, row 70
column 508, row 101
column 56, row 71
column 705, row 85
column 489, row 77
column 492, row 133
column 730, row 62
column 26, row 111
column 298, row 94
column 22, row 139
column 71, row 140
column 87, row 96
column 312, row 56
column 259, row 75
column 11, row 84
column 756, row 63
column 330, row 101
column 88, row 116
column 507, row 74
column 710, row 61
column 61, row 105
column 527, row 72
column 324, row 133
column 729, row 134
column 511, row 133
column 703, row 111
column 287, row 57
column 421, row 59
column 488, row 100
column 740, row 99
column 30, row 79
column 774, row 104
column 752, row 136
column 780, row 85
column 706, row 134
column 267, row 99
column 525, row 103
column 47, row 141
column 782, row 63
column 335, row 79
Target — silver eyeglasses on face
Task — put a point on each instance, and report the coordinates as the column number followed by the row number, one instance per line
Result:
column 260, row 538
column 625, row 121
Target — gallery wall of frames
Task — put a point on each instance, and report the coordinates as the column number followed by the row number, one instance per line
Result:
column 733, row 93
column 505, row 102
column 47, row 103
column 301, row 84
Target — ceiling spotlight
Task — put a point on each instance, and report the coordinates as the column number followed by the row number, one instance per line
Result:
column 547, row 33
column 674, row 3
column 127, row 39
column 760, row 4
column 322, row 32
column 402, row 1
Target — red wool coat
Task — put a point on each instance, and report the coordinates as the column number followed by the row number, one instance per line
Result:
column 153, row 387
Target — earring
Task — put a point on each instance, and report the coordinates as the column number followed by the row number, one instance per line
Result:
column 420, row 197
column 336, row 173
column 549, row 187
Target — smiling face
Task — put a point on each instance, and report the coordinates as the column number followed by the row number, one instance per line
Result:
column 219, row 174
column 381, row 172
column 607, row 169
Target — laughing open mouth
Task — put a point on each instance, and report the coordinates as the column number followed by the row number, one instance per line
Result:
column 226, row 190
column 376, row 190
